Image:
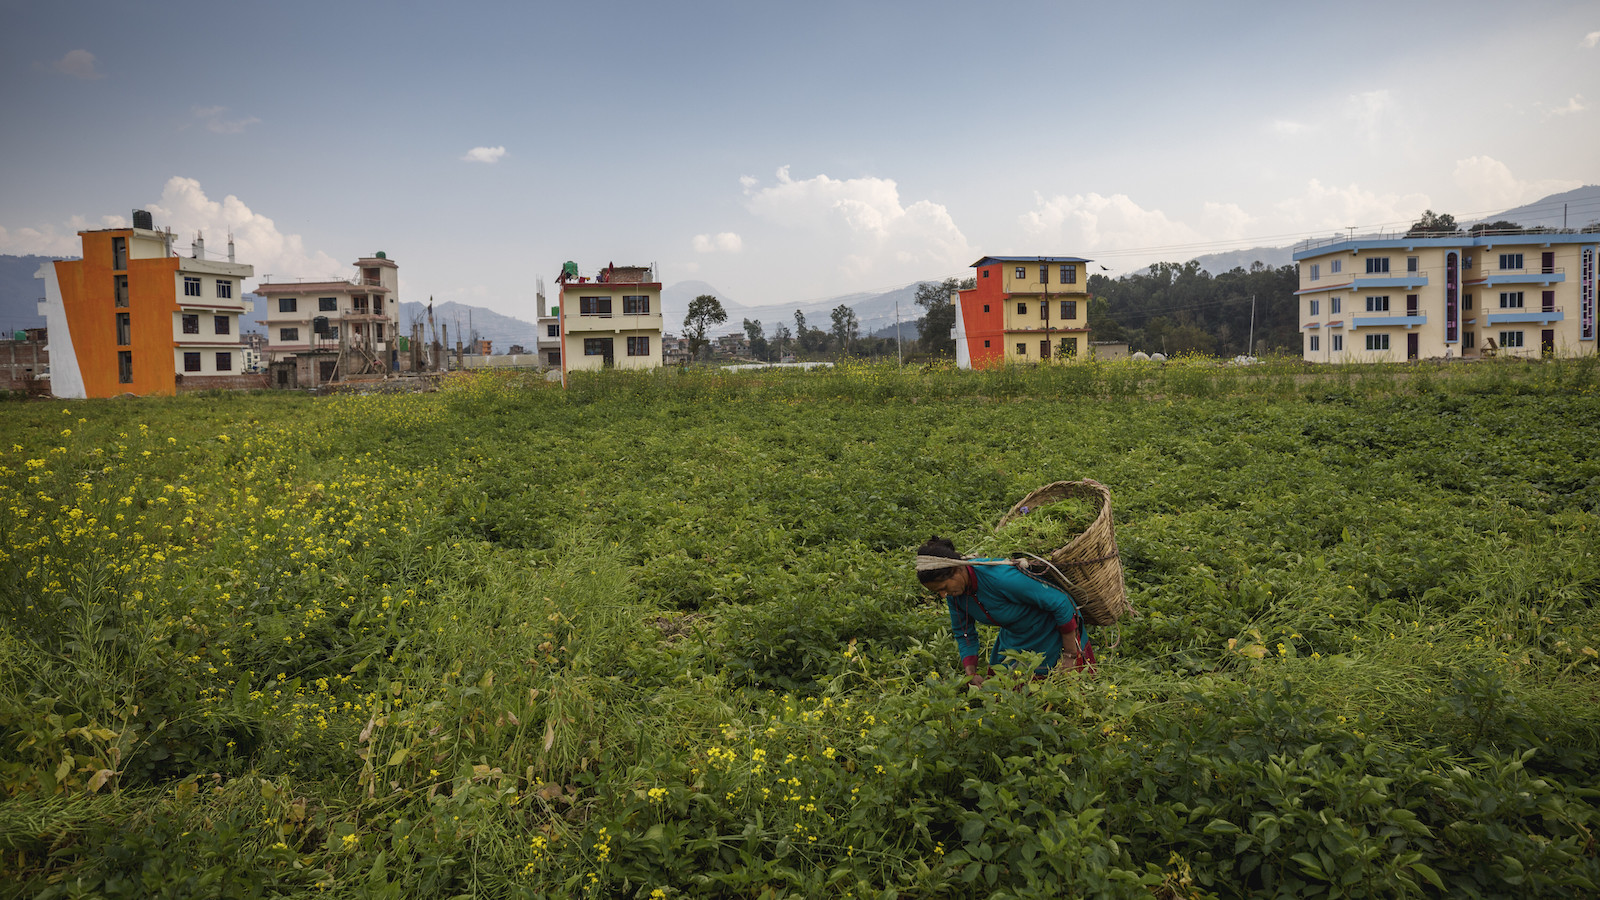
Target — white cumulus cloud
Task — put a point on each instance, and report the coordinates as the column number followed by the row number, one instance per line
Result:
column 214, row 120
column 726, row 242
column 864, row 218
column 1491, row 183
column 1087, row 223
column 1322, row 207
column 1590, row 40
column 1574, row 104
column 484, row 154
column 78, row 64
column 53, row 239
column 185, row 208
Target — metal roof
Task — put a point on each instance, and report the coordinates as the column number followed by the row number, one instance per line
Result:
column 1029, row 259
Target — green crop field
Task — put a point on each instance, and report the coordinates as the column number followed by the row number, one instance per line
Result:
column 658, row 635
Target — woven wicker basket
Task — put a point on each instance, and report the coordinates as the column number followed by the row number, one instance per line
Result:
column 1090, row 562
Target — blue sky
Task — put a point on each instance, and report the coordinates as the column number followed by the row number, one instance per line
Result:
column 781, row 152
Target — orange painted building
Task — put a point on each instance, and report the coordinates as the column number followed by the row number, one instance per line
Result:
column 132, row 317
column 1023, row 309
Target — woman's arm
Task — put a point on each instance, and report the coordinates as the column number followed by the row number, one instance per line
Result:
column 965, row 631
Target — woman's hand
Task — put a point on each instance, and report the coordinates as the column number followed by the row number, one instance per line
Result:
column 973, row 678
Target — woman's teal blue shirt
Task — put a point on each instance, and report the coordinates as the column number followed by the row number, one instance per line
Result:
column 1030, row 615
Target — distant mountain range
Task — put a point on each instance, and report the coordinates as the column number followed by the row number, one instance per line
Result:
column 875, row 312
column 20, row 293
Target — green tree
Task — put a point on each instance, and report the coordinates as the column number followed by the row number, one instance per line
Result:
column 757, row 338
column 1500, row 227
column 937, row 300
column 1433, row 223
column 704, row 311
column 845, row 327
column 782, row 338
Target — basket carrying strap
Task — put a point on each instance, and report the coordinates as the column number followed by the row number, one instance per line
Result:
column 1078, row 619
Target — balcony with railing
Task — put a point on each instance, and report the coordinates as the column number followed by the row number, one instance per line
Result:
column 1540, row 275
column 1544, row 315
column 1409, row 318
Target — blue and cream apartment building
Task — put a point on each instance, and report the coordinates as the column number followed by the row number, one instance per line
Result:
column 1395, row 298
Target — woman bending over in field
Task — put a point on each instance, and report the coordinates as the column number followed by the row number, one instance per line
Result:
column 1032, row 615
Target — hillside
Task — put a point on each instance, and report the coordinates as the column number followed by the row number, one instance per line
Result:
column 20, row 292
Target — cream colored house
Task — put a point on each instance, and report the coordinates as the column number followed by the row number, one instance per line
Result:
column 1393, row 298
column 334, row 329
column 612, row 320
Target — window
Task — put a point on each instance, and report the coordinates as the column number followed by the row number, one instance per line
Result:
column 1333, row 305
column 191, row 361
column 122, row 291
column 119, row 255
column 1022, row 273
column 1316, row 271
column 552, row 330
column 1377, row 304
column 1314, row 307
column 224, row 289
column 1069, row 274
column 552, row 357
column 594, row 306
column 986, row 343
column 986, row 273
column 1022, row 309
column 377, row 331
column 635, row 305
column 1315, row 344
column 288, row 334
column 377, row 306
column 1466, row 301
column 1510, row 339
column 287, row 304
column 1335, row 267
column 191, row 286
column 1044, row 349
column 1411, row 264
column 191, row 323
column 124, row 330
column 1022, row 349
column 1377, row 265
column 1377, row 342
column 1338, row 342
column 1510, row 299
column 1069, row 346
column 986, row 307
column 1044, row 274
column 1069, row 309
column 597, row 346
column 327, row 304
column 1510, row 261
column 220, row 325
column 125, row 367
column 639, row 346
column 1469, row 339
column 1547, row 301
column 224, row 361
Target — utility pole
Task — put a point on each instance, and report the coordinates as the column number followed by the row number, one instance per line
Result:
column 898, row 352
column 1251, row 350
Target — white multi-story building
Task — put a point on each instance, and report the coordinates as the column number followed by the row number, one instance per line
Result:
column 335, row 329
column 1382, row 298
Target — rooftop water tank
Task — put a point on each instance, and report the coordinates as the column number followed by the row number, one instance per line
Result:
column 143, row 219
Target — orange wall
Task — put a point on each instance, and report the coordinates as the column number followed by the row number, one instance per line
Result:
column 983, row 326
column 88, row 293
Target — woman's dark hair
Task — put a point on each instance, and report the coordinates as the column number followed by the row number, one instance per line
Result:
column 937, row 546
